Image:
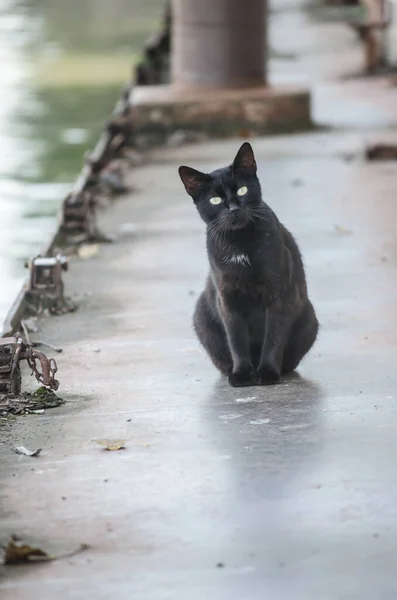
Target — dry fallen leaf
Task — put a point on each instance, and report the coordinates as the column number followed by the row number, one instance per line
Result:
column 340, row 230
column 87, row 251
column 16, row 552
column 111, row 444
column 26, row 452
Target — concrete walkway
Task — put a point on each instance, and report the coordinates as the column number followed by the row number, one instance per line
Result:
column 283, row 492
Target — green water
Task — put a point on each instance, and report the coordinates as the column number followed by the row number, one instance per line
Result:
column 63, row 65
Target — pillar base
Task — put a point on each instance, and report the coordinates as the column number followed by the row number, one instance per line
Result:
column 158, row 111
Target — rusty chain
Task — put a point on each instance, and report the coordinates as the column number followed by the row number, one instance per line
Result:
column 49, row 368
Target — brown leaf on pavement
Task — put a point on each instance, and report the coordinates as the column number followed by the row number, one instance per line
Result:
column 17, row 552
column 111, row 444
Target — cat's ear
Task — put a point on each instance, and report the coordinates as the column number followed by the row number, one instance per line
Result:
column 244, row 162
column 194, row 181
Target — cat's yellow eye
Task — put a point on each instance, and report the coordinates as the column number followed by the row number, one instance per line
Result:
column 242, row 191
column 215, row 200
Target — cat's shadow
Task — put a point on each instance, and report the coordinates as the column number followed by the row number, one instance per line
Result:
column 269, row 436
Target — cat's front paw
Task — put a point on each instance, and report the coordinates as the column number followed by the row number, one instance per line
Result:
column 267, row 375
column 242, row 377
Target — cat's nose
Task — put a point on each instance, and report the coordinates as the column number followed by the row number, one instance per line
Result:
column 234, row 208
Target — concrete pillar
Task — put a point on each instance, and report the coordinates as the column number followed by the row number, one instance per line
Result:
column 219, row 43
column 218, row 83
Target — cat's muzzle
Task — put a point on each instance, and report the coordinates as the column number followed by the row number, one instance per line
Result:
column 237, row 219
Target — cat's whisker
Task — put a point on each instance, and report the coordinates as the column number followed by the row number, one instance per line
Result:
column 212, row 229
column 223, row 233
column 259, row 214
column 216, row 232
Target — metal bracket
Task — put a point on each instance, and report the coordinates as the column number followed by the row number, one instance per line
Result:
column 79, row 217
column 120, row 128
column 12, row 351
column 119, row 132
column 45, row 287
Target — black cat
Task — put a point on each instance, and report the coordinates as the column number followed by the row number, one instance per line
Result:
column 254, row 316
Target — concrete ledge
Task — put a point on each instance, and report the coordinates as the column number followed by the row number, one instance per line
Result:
column 162, row 109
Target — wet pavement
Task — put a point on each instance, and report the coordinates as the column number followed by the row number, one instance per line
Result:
column 280, row 492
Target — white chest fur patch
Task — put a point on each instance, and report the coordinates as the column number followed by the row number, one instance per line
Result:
column 239, row 259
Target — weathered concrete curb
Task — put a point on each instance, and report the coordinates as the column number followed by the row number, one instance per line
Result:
column 161, row 109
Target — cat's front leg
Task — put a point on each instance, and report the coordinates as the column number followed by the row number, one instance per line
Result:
column 276, row 334
column 243, row 373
